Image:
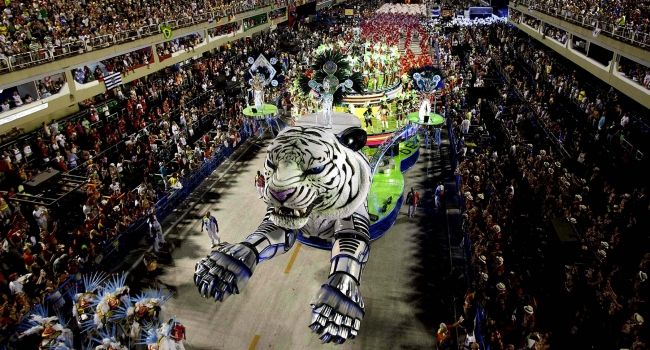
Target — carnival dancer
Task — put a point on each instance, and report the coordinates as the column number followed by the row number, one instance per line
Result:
column 383, row 117
column 400, row 114
column 367, row 116
column 381, row 76
column 168, row 336
column 372, row 83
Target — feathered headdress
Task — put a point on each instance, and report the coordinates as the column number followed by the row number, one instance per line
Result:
column 108, row 302
column 321, row 70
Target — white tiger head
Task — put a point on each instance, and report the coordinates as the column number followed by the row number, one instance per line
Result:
column 310, row 171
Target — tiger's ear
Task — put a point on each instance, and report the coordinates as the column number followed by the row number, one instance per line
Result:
column 353, row 138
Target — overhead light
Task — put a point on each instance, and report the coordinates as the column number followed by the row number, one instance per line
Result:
column 23, row 113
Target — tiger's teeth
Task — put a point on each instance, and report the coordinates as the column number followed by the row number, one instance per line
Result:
column 296, row 212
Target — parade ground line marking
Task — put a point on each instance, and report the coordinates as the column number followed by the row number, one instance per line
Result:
column 254, row 342
column 294, row 255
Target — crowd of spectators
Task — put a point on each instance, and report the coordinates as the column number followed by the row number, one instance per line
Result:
column 616, row 16
column 634, row 71
column 185, row 43
column 515, row 187
column 458, row 6
column 558, row 34
column 252, row 22
column 46, row 87
column 278, row 13
column 226, row 29
column 123, row 64
column 530, row 20
column 601, row 112
column 49, row 29
column 168, row 123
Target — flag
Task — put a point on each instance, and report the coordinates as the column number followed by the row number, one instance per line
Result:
column 112, row 80
column 166, row 30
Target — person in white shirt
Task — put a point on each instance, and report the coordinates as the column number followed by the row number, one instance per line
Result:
column 60, row 139
column 18, row 101
column 54, row 128
column 16, row 286
column 17, row 155
column 41, row 216
column 87, row 210
column 183, row 120
column 440, row 191
column 27, row 151
column 115, row 187
column 625, row 120
column 464, row 126
column 175, row 130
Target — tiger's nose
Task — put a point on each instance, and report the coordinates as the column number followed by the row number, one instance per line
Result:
column 282, row 196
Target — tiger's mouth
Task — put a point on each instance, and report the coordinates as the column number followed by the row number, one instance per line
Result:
column 294, row 213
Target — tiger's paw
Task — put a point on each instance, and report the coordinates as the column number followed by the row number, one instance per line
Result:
column 338, row 310
column 225, row 271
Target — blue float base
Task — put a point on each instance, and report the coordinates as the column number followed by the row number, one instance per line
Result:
column 377, row 229
column 408, row 163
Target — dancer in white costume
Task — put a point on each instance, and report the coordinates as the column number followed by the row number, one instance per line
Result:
column 425, row 110
column 258, row 84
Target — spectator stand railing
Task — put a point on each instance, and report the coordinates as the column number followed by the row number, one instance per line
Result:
column 466, row 245
column 79, row 46
column 33, row 58
column 63, row 296
column 170, row 200
column 637, row 150
column 623, row 33
column 536, row 121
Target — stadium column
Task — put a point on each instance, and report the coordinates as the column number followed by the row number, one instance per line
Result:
column 613, row 64
column 156, row 59
column 72, row 84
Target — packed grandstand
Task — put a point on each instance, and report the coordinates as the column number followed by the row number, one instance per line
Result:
column 542, row 225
